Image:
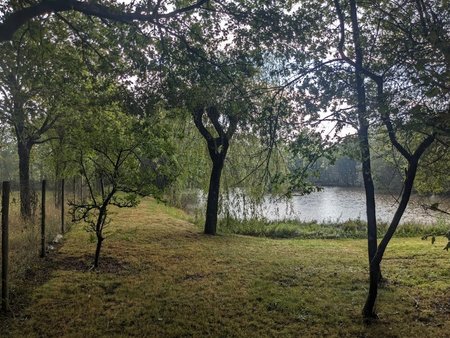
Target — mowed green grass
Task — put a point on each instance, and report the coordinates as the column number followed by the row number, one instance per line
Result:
column 161, row 277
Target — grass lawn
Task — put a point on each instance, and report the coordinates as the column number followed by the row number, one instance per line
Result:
column 160, row 276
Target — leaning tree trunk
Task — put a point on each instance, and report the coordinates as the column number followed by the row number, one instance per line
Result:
column 212, row 207
column 24, row 179
column 369, row 307
column 413, row 161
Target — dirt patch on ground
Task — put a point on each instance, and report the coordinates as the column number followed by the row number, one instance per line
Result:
column 107, row 264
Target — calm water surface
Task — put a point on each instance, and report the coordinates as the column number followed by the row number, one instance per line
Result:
column 339, row 204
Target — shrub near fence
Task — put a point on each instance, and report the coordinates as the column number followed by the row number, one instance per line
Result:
column 25, row 245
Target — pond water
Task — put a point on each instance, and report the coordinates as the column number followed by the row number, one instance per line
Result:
column 337, row 204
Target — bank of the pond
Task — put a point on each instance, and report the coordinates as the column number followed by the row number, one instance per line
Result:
column 160, row 276
column 315, row 230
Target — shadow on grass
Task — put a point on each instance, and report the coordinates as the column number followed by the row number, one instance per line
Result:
column 36, row 275
column 107, row 264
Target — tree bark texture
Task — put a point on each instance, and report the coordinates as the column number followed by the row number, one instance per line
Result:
column 212, row 207
column 24, row 179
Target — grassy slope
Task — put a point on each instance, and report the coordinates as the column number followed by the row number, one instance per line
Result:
column 161, row 277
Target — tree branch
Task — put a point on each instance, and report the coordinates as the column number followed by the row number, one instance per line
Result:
column 17, row 19
column 341, row 44
column 214, row 115
column 197, row 115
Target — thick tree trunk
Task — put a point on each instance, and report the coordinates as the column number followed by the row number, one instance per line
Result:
column 24, row 179
column 217, row 148
column 212, row 207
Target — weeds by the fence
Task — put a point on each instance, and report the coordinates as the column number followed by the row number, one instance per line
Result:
column 25, row 240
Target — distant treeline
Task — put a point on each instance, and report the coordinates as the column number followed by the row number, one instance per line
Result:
column 346, row 172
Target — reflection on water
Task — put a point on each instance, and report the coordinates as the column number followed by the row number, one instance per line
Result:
column 337, row 204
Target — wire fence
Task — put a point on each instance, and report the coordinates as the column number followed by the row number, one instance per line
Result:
column 26, row 240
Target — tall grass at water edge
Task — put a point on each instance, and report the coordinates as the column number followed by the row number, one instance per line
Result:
column 330, row 230
column 261, row 227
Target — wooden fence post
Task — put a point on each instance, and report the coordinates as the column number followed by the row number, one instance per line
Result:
column 5, row 243
column 44, row 182
column 62, row 206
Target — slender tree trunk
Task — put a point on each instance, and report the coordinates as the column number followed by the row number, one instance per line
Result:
column 369, row 306
column 363, row 135
column 413, row 161
column 97, row 250
column 212, row 207
column 101, row 219
column 99, row 233
column 24, row 179
column 369, row 189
